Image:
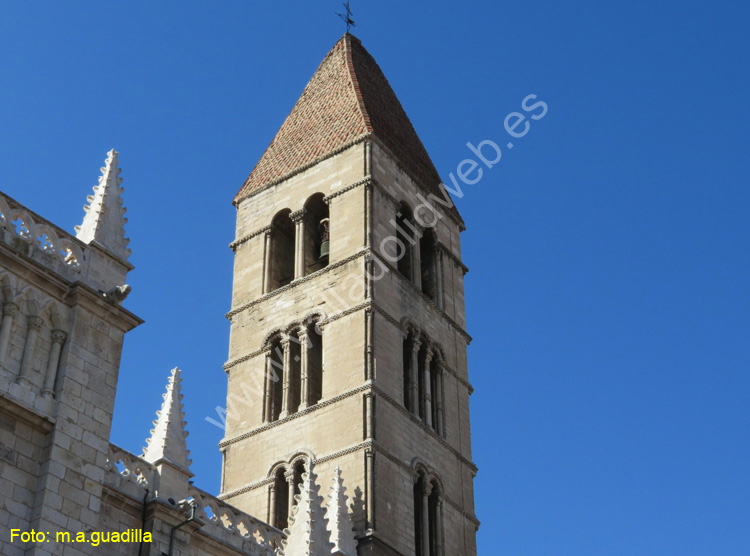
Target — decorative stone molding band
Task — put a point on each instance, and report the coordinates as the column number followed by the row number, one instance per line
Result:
column 362, row 446
column 269, row 480
column 468, row 515
column 366, row 181
column 279, row 422
column 279, row 291
column 399, row 407
column 244, row 239
column 457, row 219
column 364, row 138
column 229, row 364
column 236, row 243
column 424, row 296
column 301, row 169
column 359, row 254
column 450, row 370
column 452, row 256
column 367, row 387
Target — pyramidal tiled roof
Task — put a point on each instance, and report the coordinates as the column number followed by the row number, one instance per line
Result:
column 347, row 99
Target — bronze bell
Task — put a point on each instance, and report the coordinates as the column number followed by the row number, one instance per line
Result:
column 324, row 238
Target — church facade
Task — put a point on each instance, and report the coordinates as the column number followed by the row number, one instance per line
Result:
column 347, row 428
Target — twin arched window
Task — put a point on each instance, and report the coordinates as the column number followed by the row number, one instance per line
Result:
column 297, row 243
column 286, row 483
column 419, row 259
column 294, row 372
column 428, row 518
column 423, row 381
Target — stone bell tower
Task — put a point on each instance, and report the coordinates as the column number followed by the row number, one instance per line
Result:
column 348, row 341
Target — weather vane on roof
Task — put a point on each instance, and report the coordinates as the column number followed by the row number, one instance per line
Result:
column 347, row 16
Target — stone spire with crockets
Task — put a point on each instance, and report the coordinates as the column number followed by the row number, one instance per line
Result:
column 104, row 222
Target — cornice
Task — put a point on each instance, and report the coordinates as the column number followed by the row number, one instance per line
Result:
column 360, row 447
column 301, row 169
column 368, row 387
column 244, row 239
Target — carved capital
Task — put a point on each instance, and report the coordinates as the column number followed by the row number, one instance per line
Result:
column 289, row 476
column 34, row 322
column 410, row 328
column 427, row 488
column 58, row 336
column 298, row 215
column 10, row 309
column 416, row 343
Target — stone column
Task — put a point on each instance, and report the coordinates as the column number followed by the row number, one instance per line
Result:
column 369, row 416
column 298, row 218
column 426, row 491
column 268, row 401
column 439, row 276
column 304, row 372
column 58, row 339
column 439, row 399
column 267, row 261
column 416, row 261
column 272, row 505
column 286, row 395
column 427, row 395
column 34, row 325
column 9, row 312
column 370, row 472
column 289, row 476
column 439, row 526
column 413, row 378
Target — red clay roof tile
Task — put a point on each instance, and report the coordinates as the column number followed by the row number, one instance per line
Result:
column 347, row 99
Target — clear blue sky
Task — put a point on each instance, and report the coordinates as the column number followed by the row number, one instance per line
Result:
column 608, row 291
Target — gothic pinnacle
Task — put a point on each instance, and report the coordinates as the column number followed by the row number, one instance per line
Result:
column 104, row 221
column 339, row 520
column 307, row 534
column 168, row 437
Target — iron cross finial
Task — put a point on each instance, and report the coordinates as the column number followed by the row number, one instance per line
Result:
column 347, row 17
